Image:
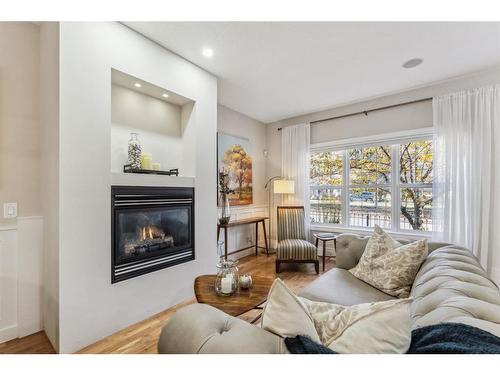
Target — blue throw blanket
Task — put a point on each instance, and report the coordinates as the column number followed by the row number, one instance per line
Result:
column 304, row 345
column 445, row 338
column 453, row 338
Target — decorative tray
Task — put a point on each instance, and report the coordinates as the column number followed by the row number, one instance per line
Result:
column 172, row 172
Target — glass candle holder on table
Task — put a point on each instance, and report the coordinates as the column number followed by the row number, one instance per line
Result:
column 226, row 282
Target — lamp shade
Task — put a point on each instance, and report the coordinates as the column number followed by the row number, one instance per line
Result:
column 284, row 186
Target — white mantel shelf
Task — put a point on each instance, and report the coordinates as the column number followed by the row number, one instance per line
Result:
column 131, row 179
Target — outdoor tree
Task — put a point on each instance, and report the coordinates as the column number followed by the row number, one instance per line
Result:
column 416, row 167
column 239, row 165
column 371, row 165
column 326, row 168
column 326, row 171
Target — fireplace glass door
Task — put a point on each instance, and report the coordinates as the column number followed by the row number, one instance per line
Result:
column 148, row 232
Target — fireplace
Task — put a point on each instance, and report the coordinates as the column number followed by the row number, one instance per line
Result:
column 152, row 229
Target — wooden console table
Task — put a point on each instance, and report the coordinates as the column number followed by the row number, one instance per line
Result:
column 249, row 221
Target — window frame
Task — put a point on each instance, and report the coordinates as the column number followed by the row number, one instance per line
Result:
column 393, row 140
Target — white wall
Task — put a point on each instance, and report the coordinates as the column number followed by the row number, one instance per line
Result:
column 49, row 143
column 19, row 118
column 90, row 306
column 157, row 122
column 232, row 122
column 21, row 243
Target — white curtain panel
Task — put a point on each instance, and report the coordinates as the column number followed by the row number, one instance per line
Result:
column 295, row 144
column 467, row 173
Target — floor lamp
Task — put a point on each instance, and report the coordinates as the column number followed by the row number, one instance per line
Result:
column 280, row 186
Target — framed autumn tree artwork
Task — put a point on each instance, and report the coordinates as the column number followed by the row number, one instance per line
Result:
column 234, row 157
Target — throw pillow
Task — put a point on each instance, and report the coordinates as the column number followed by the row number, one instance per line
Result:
column 388, row 265
column 379, row 327
column 285, row 315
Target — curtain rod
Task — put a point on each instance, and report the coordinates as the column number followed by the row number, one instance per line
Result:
column 369, row 110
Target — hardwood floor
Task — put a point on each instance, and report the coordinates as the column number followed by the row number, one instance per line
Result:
column 142, row 337
column 37, row 343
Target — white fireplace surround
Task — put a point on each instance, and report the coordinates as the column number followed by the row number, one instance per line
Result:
column 88, row 307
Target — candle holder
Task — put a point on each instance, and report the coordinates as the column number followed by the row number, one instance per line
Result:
column 245, row 281
column 226, row 282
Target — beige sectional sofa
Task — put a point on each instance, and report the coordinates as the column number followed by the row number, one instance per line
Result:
column 450, row 286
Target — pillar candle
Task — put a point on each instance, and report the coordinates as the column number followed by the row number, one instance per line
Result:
column 146, row 161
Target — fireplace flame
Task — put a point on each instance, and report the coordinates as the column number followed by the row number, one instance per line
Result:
column 151, row 232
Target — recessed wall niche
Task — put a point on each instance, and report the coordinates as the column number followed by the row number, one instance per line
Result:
column 163, row 119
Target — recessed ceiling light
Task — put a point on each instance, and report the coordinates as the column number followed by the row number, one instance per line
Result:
column 165, row 95
column 413, row 63
column 137, row 84
column 207, row 52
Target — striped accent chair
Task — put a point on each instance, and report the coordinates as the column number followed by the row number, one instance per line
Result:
column 292, row 244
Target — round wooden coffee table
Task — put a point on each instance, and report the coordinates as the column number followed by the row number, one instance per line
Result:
column 240, row 302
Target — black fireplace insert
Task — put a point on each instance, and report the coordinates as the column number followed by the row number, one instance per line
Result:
column 152, row 229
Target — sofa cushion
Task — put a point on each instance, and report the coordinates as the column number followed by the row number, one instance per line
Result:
column 340, row 287
column 388, row 265
column 296, row 249
column 452, row 287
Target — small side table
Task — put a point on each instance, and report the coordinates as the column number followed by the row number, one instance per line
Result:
column 242, row 301
column 325, row 237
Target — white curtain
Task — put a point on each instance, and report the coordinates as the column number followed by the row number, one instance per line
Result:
column 467, row 172
column 295, row 144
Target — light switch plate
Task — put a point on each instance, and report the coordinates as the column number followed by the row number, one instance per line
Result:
column 9, row 210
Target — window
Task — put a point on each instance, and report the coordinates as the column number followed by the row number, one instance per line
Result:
column 388, row 185
column 326, row 187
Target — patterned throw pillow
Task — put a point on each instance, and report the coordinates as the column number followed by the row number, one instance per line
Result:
column 389, row 266
column 285, row 315
column 379, row 327
column 369, row 328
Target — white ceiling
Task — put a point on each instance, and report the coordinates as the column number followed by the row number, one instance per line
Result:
column 275, row 70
